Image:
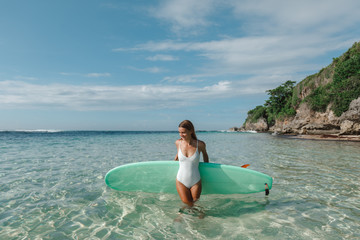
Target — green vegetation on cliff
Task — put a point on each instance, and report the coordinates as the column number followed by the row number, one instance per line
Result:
column 277, row 106
column 336, row 85
column 345, row 86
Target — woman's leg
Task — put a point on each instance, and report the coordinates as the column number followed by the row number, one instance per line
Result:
column 196, row 191
column 184, row 193
column 189, row 196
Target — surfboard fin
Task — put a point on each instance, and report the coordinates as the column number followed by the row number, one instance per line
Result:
column 267, row 191
column 245, row 165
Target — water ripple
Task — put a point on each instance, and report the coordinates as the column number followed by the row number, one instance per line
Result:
column 52, row 187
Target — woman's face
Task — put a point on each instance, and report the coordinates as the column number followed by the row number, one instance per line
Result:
column 184, row 133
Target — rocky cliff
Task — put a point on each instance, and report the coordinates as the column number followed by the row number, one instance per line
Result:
column 307, row 121
column 314, row 99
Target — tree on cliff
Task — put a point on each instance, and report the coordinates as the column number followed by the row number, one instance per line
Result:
column 256, row 113
column 279, row 103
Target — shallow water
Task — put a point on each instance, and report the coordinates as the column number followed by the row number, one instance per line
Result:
column 52, row 187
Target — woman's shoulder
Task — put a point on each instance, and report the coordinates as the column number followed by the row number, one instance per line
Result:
column 201, row 143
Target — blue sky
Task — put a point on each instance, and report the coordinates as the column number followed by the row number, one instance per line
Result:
column 148, row 65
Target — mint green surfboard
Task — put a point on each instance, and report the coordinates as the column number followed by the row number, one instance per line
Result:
column 159, row 177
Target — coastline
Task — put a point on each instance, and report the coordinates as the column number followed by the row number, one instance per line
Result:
column 325, row 137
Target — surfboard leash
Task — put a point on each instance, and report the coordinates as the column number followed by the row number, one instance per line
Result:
column 267, row 191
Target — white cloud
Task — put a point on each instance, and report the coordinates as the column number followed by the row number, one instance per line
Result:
column 91, row 75
column 26, row 78
column 182, row 78
column 281, row 16
column 275, row 34
column 21, row 95
column 262, row 16
column 68, row 74
column 254, row 55
column 162, row 57
column 96, row 75
column 148, row 70
column 184, row 14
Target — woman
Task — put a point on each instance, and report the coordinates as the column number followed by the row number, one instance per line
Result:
column 188, row 182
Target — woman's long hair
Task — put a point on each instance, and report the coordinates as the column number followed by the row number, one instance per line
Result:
column 187, row 124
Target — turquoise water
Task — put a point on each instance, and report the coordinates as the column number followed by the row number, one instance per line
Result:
column 52, row 187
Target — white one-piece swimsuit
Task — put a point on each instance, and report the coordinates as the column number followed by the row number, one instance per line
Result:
column 188, row 173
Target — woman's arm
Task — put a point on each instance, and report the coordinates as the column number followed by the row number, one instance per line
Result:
column 202, row 148
column 176, row 157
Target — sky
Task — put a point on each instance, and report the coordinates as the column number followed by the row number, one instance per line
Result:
column 148, row 65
